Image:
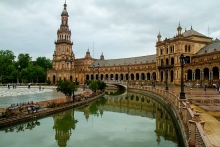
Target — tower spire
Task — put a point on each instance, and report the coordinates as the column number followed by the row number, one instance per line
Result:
column 158, row 37
column 179, row 29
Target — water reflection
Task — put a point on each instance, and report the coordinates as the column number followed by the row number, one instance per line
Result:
column 116, row 123
column 144, row 106
column 64, row 123
column 22, row 127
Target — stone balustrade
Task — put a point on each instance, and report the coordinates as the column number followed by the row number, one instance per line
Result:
column 192, row 127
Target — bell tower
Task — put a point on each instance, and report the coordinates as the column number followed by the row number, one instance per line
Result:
column 63, row 57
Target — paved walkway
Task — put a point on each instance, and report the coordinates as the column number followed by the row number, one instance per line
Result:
column 208, row 104
column 23, row 94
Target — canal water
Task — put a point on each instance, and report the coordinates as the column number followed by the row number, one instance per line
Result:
column 124, row 120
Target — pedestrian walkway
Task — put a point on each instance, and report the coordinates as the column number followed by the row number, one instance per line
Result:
column 208, row 104
column 23, row 94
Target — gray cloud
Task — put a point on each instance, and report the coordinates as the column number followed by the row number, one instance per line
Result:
column 119, row 29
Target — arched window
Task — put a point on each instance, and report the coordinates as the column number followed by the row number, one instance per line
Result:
column 161, row 62
column 185, row 48
column 161, row 51
column 172, row 61
column 189, row 48
column 171, row 49
column 167, row 61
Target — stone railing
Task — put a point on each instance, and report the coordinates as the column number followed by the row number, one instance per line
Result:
column 192, row 127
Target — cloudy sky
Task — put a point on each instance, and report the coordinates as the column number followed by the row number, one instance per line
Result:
column 118, row 28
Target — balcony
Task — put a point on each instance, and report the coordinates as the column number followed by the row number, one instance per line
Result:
column 165, row 66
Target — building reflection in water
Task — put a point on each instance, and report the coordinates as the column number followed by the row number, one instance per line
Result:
column 64, row 123
column 30, row 125
column 129, row 103
column 144, row 106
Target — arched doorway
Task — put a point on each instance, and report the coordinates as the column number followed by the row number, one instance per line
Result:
column 132, row 76
column 197, row 76
column 106, row 77
column 148, row 76
column 87, row 77
column 102, row 77
column 161, row 76
column 116, row 77
column 206, row 74
column 215, row 73
column 171, row 76
column 137, row 76
column 121, row 77
column 143, row 76
column 189, row 74
column 111, row 77
column 54, row 79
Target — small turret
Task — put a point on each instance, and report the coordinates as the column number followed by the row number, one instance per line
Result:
column 102, row 57
column 179, row 29
column 88, row 56
column 158, row 37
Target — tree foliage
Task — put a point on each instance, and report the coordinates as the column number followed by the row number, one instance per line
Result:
column 43, row 62
column 6, row 59
column 97, row 84
column 24, row 60
column 23, row 69
column 67, row 88
column 93, row 85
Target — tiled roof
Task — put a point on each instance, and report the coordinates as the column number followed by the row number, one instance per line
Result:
column 125, row 61
column 210, row 47
column 192, row 32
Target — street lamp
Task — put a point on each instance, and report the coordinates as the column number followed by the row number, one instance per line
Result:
column 166, row 73
column 182, row 61
column 120, row 73
column 128, row 77
column 98, row 71
column 71, row 60
column 154, row 76
column 84, row 75
column 93, row 71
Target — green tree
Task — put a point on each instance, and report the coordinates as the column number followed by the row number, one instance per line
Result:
column 6, row 58
column 31, row 73
column 101, row 85
column 43, row 62
column 93, row 85
column 24, row 60
column 24, row 74
column 67, row 87
column 11, row 73
column 40, row 74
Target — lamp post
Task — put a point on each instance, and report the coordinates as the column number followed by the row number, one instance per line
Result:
column 120, row 73
column 84, row 70
column 93, row 71
column 71, row 60
column 154, row 76
column 182, row 61
column 84, row 75
column 128, row 77
column 98, row 71
column 166, row 73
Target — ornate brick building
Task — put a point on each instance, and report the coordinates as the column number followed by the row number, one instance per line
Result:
column 202, row 65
